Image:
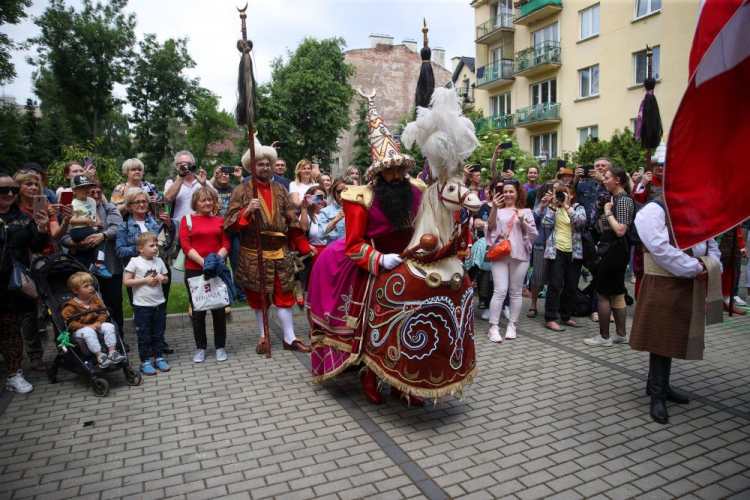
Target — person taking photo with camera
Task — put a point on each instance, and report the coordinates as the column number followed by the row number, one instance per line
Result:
column 189, row 178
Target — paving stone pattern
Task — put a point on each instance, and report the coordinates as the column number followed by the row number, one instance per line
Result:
column 548, row 417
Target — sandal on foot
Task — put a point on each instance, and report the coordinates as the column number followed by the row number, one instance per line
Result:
column 572, row 324
column 531, row 313
column 38, row 365
column 558, row 329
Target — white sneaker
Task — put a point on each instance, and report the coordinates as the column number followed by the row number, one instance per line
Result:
column 200, row 356
column 616, row 339
column 494, row 334
column 595, row 317
column 486, row 314
column 221, row 354
column 598, row 341
column 506, row 312
column 738, row 301
column 510, row 333
column 17, row 383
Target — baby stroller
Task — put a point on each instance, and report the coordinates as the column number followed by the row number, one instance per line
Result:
column 51, row 273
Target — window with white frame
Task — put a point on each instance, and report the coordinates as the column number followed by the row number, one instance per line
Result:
column 502, row 14
column 544, row 145
column 640, row 63
column 547, row 34
column 500, row 104
column 586, row 133
column 646, row 7
column 544, row 92
column 588, row 81
column 633, row 123
column 589, row 20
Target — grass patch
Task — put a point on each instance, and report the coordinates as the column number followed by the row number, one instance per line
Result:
column 177, row 304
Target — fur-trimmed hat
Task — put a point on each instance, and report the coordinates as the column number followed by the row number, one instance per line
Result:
column 660, row 154
column 260, row 152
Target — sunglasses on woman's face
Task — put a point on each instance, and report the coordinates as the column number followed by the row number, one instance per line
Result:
column 10, row 190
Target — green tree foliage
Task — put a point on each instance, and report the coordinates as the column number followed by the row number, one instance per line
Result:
column 11, row 12
column 108, row 169
column 362, row 157
column 159, row 91
column 12, row 154
column 488, row 141
column 81, row 56
column 622, row 150
column 209, row 124
column 307, row 101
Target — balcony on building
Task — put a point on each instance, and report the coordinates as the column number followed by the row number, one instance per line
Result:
column 539, row 114
column 495, row 74
column 495, row 122
column 537, row 59
column 531, row 11
column 467, row 94
column 491, row 31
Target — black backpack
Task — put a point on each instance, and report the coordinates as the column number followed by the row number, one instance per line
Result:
column 582, row 301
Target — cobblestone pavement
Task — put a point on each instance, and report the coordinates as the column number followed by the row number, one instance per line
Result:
column 548, row 417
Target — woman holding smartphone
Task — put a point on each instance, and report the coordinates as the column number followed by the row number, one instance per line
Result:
column 614, row 249
column 313, row 203
column 509, row 219
column 30, row 200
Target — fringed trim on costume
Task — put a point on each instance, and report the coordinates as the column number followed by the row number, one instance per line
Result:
column 451, row 390
column 353, row 360
column 341, row 346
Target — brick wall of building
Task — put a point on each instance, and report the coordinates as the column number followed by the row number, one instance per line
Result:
column 393, row 71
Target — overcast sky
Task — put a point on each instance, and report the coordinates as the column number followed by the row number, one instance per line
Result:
column 213, row 27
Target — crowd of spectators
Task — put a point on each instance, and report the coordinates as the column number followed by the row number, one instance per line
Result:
column 133, row 240
column 575, row 226
column 576, row 232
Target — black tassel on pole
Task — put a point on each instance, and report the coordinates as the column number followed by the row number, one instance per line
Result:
column 426, row 81
column 245, row 113
column 651, row 128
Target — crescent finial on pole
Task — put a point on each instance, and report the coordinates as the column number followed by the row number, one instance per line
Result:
column 369, row 97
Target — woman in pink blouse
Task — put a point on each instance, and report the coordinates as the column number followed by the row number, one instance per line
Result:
column 508, row 273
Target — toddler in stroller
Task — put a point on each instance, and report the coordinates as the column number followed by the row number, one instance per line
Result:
column 87, row 326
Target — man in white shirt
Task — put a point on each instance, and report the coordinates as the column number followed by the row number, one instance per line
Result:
column 180, row 189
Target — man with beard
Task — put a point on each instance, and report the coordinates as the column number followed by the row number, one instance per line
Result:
column 379, row 225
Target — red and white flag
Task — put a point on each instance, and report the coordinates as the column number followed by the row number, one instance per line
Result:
column 707, row 178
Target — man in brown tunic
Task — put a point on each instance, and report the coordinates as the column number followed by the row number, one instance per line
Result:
column 671, row 312
column 279, row 227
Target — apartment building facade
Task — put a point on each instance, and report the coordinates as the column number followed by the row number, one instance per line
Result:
column 555, row 72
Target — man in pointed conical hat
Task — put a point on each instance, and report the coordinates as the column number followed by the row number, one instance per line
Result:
column 379, row 224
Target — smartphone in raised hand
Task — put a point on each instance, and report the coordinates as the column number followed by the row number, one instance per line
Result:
column 40, row 203
column 66, row 198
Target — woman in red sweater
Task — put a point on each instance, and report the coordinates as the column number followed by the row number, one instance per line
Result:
column 202, row 233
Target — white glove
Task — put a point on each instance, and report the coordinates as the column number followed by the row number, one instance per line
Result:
column 390, row 260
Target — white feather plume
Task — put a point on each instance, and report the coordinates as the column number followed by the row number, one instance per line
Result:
column 443, row 134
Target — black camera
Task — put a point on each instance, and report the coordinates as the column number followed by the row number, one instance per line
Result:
column 602, row 200
column 190, row 166
column 560, row 197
